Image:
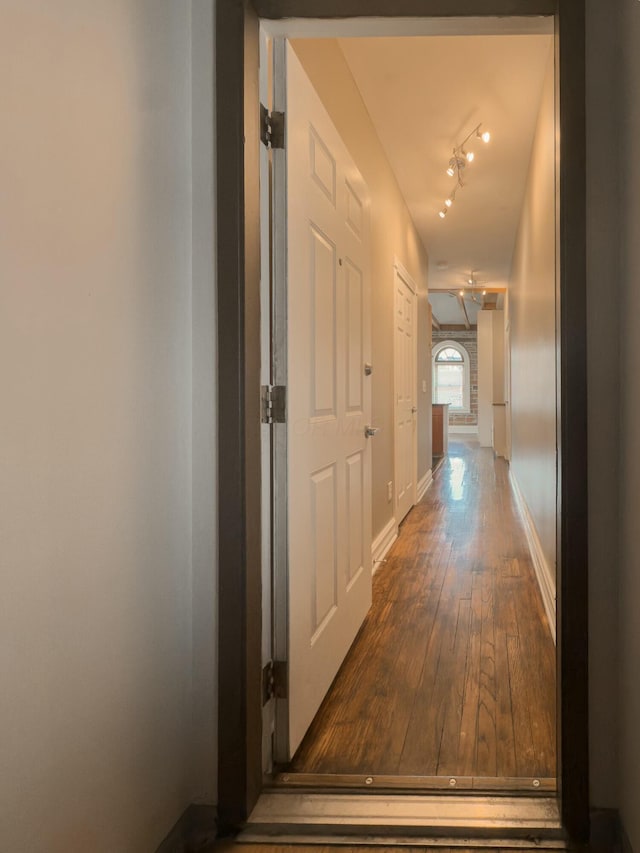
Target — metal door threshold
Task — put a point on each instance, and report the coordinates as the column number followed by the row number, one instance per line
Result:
column 445, row 785
column 376, row 818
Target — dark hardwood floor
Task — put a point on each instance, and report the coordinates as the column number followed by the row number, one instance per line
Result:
column 453, row 671
column 230, row 846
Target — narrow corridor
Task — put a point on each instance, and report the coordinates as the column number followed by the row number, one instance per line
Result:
column 453, row 671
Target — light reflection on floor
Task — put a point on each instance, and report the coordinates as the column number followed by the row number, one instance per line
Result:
column 457, row 468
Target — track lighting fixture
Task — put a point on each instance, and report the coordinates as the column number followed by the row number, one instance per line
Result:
column 471, row 289
column 459, row 160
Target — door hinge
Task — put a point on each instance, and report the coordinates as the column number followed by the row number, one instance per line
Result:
column 271, row 128
column 274, row 681
column 274, row 404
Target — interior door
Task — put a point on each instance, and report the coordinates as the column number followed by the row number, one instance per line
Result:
column 405, row 393
column 328, row 401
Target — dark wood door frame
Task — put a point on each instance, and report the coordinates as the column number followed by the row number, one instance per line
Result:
column 238, row 281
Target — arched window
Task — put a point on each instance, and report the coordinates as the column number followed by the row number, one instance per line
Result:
column 451, row 376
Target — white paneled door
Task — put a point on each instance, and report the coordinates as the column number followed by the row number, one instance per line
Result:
column 329, row 400
column 405, row 355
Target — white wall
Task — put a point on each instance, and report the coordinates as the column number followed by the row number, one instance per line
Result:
column 532, row 319
column 393, row 234
column 498, row 356
column 491, row 342
column 485, row 378
column 96, row 629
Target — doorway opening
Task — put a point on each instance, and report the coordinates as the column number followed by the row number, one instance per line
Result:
column 325, row 396
column 463, row 705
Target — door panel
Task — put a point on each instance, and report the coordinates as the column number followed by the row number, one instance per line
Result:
column 325, row 564
column 322, row 283
column 329, row 404
column 355, row 515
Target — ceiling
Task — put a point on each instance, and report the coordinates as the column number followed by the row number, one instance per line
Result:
column 424, row 95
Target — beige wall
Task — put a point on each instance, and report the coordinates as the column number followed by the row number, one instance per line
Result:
column 96, row 627
column 392, row 235
column 204, row 545
column 532, row 318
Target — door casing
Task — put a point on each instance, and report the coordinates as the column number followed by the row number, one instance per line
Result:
column 239, row 459
column 400, row 272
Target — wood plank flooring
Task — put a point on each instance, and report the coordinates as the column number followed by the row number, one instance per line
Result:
column 231, row 846
column 453, row 671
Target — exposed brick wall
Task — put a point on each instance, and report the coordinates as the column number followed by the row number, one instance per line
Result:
column 469, row 340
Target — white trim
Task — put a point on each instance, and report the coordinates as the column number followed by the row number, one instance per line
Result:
column 543, row 574
column 423, row 485
column 462, row 430
column 382, row 543
column 404, row 274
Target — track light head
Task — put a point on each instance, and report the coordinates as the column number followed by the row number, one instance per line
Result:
column 486, row 137
column 470, row 157
column 442, row 213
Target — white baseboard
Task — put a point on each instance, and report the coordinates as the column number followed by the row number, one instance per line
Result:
column 543, row 573
column 463, row 430
column 381, row 544
column 423, row 485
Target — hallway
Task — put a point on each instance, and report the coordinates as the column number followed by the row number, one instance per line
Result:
column 453, row 671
